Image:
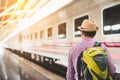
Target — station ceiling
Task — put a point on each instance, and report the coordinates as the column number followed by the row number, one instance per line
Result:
column 18, row 13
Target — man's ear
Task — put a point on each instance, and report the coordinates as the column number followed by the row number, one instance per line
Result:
column 82, row 33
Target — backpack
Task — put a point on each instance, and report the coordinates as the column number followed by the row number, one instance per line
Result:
column 93, row 64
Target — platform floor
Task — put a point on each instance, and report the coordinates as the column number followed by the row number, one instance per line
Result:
column 13, row 67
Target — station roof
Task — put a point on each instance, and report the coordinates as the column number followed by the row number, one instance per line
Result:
column 16, row 15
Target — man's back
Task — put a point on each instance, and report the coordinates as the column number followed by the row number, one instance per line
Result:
column 93, row 64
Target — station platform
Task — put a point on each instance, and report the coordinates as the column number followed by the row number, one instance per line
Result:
column 18, row 68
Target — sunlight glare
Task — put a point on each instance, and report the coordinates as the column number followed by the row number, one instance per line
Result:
column 50, row 8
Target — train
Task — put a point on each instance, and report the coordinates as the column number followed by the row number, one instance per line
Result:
column 48, row 41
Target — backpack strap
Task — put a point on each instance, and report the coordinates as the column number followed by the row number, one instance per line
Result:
column 79, row 66
column 97, row 44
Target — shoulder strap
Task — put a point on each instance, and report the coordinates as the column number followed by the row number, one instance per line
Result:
column 97, row 44
column 79, row 66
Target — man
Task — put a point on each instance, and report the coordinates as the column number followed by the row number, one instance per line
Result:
column 88, row 29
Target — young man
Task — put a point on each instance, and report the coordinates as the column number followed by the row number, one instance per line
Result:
column 88, row 29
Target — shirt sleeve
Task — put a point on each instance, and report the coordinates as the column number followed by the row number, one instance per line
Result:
column 112, row 67
column 70, row 68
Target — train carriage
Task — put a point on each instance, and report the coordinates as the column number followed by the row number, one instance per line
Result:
column 53, row 36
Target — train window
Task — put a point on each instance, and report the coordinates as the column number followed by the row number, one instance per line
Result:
column 111, row 20
column 20, row 38
column 78, row 22
column 24, row 37
column 41, row 35
column 31, row 36
column 50, row 33
column 27, row 37
column 62, row 31
column 36, row 35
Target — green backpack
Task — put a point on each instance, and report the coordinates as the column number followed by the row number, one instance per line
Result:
column 93, row 64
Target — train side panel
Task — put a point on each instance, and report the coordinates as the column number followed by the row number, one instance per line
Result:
column 58, row 32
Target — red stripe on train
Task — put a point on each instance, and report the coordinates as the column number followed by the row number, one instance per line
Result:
column 108, row 44
column 112, row 44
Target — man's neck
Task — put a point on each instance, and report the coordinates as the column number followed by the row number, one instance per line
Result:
column 83, row 36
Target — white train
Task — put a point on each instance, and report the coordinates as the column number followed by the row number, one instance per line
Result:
column 54, row 35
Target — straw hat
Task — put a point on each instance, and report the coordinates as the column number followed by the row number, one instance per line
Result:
column 88, row 25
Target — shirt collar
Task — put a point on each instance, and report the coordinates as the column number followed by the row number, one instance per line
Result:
column 87, row 39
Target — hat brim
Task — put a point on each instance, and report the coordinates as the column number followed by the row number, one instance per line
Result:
column 89, row 30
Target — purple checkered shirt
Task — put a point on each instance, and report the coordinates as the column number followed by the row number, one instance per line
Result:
column 75, row 52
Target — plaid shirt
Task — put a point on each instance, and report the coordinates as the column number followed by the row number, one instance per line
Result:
column 74, row 54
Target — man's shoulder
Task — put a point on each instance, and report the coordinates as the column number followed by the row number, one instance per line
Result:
column 75, row 46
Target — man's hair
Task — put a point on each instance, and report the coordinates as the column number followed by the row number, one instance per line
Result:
column 89, row 34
